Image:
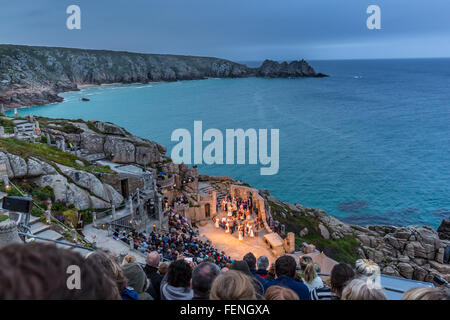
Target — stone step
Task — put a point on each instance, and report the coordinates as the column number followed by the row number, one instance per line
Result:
column 50, row 234
column 34, row 220
column 39, row 227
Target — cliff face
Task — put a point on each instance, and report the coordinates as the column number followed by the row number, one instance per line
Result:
column 35, row 75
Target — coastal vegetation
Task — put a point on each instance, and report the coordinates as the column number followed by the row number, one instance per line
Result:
column 49, row 154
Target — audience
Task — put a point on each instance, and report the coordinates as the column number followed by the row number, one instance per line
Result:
column 280, row 293
column 137, row 280
column 427, row 294
column 359, row 289
column 341, row 274
column 41, row 272
column 163, row 268
column 203, row 277
column 176, row 285
column 128, row 258
column 285, row 270
column 111, row 267
column 151, row 271
column 233, row 285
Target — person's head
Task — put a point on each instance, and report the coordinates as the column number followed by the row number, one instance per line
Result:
column 39, row 271
column 179, row 274
column 233, row 285
column 304, row 261
column 366, row 268
column 163, row 268
column 153, row 259
column 271, row 270
column 280, row 293
column 309, row 273
column 128, row 259
column 426, row 294
column 241, row 266
column 110, row 265
column 224, row 269
column 358, row 289
column 136, row 276
column 262, row 263
column 203, row 277
column 251, row 260
column 341, row 274
column 285, row 266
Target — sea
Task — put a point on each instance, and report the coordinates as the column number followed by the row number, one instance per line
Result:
column 370, row 144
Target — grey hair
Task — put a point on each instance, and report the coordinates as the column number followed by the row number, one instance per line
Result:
column 263, row 262
column 202, row 278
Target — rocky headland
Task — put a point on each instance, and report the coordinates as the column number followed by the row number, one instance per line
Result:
column 35, row 75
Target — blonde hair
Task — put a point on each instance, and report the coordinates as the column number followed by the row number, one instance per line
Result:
column 358, row 289
column 128, row 259
column 233, row 285
column 366, row 267
column 426, row 294
column 280, row 293
column 163, row 268
column 309, row 274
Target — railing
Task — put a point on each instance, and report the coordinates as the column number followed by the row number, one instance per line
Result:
column 78, row 236
column 55, row 241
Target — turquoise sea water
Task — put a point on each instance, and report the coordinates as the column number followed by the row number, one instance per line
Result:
column 370, row 144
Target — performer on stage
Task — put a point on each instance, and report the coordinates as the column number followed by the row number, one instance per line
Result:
column 227, row 227
column 252, row 235
column 241, row 233
column 217, row 223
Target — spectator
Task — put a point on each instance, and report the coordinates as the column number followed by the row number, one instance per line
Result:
column 151, row 271
column 128, row 258
column 341, row 274
column 280, row 293
column 310, row 277
column 285, row 270
column 41, row 272
column 110, row 266
column 233, row 285
column 358, row 289
column 163, row 268
column 202, row 279
column 242, row 266
column 176, row 284
column 137, row 279
column 262, row 264
column 271, row 273
column 303, row 262
column 426, row 294
column 224, row 269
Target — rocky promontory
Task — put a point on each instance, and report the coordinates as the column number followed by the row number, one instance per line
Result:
column 35, row 75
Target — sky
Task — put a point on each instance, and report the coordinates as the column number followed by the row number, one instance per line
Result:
column 240, row 30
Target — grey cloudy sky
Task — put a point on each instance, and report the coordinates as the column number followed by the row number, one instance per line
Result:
column 236, row 29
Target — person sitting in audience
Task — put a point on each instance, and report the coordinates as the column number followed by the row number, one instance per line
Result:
column 361, row 289
column 176, row 284
column 111, row 267
column 426, row 294
column 341, row 274
column 151, row 271
column 271, row 273
column 202, row 279
column 310, row 277
column 280, row 293
column 251, row 262
column 233, row 285
column 128, row 258
column 137, row 279
column 285, row 270
column 262, row 264
column 163, row 268
column 242, row 266
column 39, row 271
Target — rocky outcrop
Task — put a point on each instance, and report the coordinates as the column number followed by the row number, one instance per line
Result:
column 444, row 230
column 35, row 75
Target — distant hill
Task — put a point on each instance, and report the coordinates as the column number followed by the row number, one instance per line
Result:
column 35, row 75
